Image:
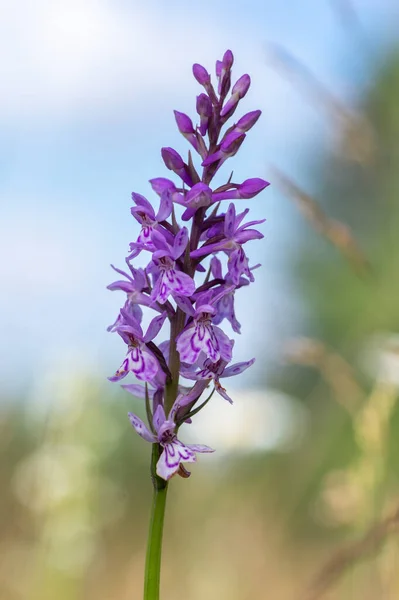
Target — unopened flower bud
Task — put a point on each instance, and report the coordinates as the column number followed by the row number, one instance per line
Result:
column 239, row 90
column 174, row 162
column 248, row 121
column 201, row 74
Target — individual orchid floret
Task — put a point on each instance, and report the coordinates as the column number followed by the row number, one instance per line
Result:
column 234, row 235
column 199, row 196
column 246, row 190
column 216, row 371
column 139, row 359
column 174, row 162
column 238, row 92
column 225, row 305
column 144, row 213
column 133, row 286
column 174, row 451
column 169, row 278
column 202, row 336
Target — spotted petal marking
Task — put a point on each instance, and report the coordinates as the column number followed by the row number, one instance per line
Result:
column 174, row 453
column 238, row 265
column 141, row 429
column 173, row 281
column 195, row 339
column 142, row 363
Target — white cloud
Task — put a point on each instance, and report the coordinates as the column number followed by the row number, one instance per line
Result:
column 93, row 57
column 63, row 55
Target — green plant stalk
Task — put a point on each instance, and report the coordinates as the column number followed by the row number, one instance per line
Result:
column 154, row 543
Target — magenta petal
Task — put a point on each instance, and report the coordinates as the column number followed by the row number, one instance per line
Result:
column 237, row 368
column 155, row 327
column 225, row 345
column 209, row 249
column 238, row 264
column 180, row 243
column 184, row 303
column 220, row 390
column 195, row 339
column 161, row 290
column 159, row 418
column 216, row 268
column 139, row 200
column 143, row 363
column 165, row 206
column 141, row 429
column 200, row 448
column 121, row 372
column 159, row 241
column 180, row 283
column 229, row 221
column 187, row 347
column 124, row 286
column 137, row 390
column 248, row 234
column 161, row 184
column 174, row 453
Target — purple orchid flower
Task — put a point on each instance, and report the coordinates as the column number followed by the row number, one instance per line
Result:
column 202, row 336
column 139, row 359
column 184, row 281
column 144, row 213
column 234, row 235
column 225, row 306
column 215, row 371
column 169, row 278
column 174, row 451
column 133, row 287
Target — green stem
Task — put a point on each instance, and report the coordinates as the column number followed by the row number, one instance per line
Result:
column 154, row 542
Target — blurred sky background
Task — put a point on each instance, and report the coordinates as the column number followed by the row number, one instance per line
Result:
column 88, row 90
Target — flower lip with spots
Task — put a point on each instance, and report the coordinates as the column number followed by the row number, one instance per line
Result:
column 174, row 451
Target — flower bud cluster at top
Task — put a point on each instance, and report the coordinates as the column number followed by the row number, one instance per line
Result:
column 187, row 282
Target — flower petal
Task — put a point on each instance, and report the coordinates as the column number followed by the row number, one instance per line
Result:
column 184, row 303
column 180, row 283
column 143, row 363
column 237, row 368
column 230, row 221
column 155, row 327
column 137, row 390
column 169, row 461
column 194, row 339
column 200, row 448
column 180, row 243
column 159, row 418
column 141, row 429
column 216, row 268
column 121, row 372
column 141, row 201
column 225, row 345
column 165, row 206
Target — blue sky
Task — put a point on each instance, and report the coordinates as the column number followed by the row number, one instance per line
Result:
column 89, row 88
